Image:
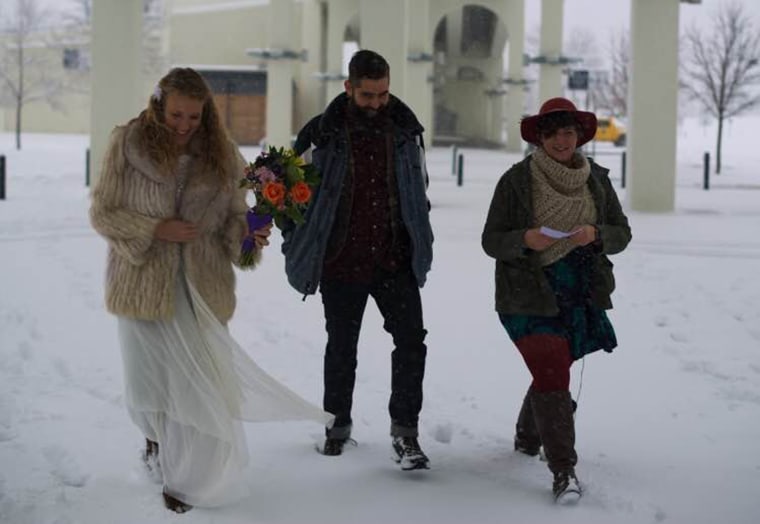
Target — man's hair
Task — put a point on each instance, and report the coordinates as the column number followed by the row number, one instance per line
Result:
column 550, row 123
column 367, row 64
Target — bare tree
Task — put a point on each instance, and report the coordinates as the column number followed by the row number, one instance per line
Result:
column 581, row 43
column 24, row 70
column 582, row 50
column 611, row 91
column 721, row 66
column 79, row 17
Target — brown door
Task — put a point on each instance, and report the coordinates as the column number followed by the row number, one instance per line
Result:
column 240, row 98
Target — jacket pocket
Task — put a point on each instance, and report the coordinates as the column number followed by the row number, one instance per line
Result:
column 519, row 284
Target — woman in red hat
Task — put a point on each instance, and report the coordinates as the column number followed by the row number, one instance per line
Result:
column 553, row 220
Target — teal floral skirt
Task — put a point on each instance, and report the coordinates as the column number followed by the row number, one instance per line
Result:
column 584, row 325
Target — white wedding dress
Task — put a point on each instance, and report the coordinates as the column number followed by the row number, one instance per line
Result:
column 188, row 386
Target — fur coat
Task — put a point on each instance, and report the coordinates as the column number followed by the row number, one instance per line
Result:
column 132, row 196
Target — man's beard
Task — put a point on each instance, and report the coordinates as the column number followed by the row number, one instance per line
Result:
column 368, row 114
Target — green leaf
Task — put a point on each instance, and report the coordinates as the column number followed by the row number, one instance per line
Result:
column 292, row 174
column 294, row 214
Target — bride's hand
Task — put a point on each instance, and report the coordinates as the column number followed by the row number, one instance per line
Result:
column 261, row 236
column 174, row 230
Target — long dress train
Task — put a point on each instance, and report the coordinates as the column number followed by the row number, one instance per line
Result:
column 188, row 387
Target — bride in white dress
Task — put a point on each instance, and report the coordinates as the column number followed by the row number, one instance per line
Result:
column 168, row 204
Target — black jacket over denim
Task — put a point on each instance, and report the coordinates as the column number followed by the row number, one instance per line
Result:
column 521, row 286
column 304, row 245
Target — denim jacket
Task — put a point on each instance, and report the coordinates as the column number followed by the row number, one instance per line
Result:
column 304, row 245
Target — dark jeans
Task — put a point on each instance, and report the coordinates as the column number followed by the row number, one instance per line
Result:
column 398, row 299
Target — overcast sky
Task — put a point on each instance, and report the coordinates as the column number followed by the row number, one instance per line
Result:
column 611, row 15
column 603, row 15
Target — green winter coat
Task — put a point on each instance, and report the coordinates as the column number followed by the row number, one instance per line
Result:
column 521, row 286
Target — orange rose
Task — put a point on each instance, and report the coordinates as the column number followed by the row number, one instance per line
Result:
column 274, row 192
column 300, row 193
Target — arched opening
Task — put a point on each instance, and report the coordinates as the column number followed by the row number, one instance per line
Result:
column 468, row 98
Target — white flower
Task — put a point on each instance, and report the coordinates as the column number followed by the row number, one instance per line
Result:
column 157, row 93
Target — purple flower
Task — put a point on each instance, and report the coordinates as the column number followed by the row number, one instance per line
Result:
column 264, row 174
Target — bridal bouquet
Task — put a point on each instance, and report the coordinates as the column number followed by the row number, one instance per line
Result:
column 282, row 183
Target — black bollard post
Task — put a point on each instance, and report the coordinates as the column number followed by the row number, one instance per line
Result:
column 2, row 177
column 87, row 168
column 454, row 154
column 622, row 170
column 460, row 170
column 706, row 161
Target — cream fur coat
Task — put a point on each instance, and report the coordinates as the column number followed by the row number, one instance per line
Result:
column 129, row 200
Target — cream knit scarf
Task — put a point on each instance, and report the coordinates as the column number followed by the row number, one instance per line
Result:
column 561, row 199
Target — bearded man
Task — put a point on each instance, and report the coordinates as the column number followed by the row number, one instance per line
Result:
column 367, row 234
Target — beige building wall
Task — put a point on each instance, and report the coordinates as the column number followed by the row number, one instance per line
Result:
column 70, row 110
column 217, row 33
column 203, row 36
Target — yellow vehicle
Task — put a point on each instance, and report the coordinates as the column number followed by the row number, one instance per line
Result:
column 610, row 129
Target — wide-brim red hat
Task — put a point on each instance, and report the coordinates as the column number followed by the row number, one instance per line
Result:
column 585, row 119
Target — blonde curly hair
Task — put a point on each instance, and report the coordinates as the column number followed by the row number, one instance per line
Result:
column 211, row 138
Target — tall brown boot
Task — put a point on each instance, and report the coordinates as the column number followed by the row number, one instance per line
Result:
column 527, row 439
column 553, row 413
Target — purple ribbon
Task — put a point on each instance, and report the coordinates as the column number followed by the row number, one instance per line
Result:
column 255, row 221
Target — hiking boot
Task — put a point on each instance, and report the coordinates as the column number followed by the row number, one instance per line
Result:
column 333, row 446
column 409, row 454
column 566, row 488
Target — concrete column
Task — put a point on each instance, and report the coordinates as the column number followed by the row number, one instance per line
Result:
column 311, row 96
column 419, row 90
column 550, row 75
column 280, row 76
column 117, row 87
column 338, row 14
column 652, row 105
column 516, row 94
column 384, row 30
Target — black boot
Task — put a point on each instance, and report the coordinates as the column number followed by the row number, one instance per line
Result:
column 409, row 453
column 526, row 435
column 151, row 460
column 174, row 504
column 553, row 414
column 566, row 488
column 333, row 446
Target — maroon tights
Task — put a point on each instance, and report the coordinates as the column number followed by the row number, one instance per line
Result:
column 548, row 359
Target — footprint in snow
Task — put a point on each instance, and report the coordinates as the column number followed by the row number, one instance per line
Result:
column 443, row 433
column 64, row 467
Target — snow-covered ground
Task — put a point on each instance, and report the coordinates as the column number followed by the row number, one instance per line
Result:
column 668, row 425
